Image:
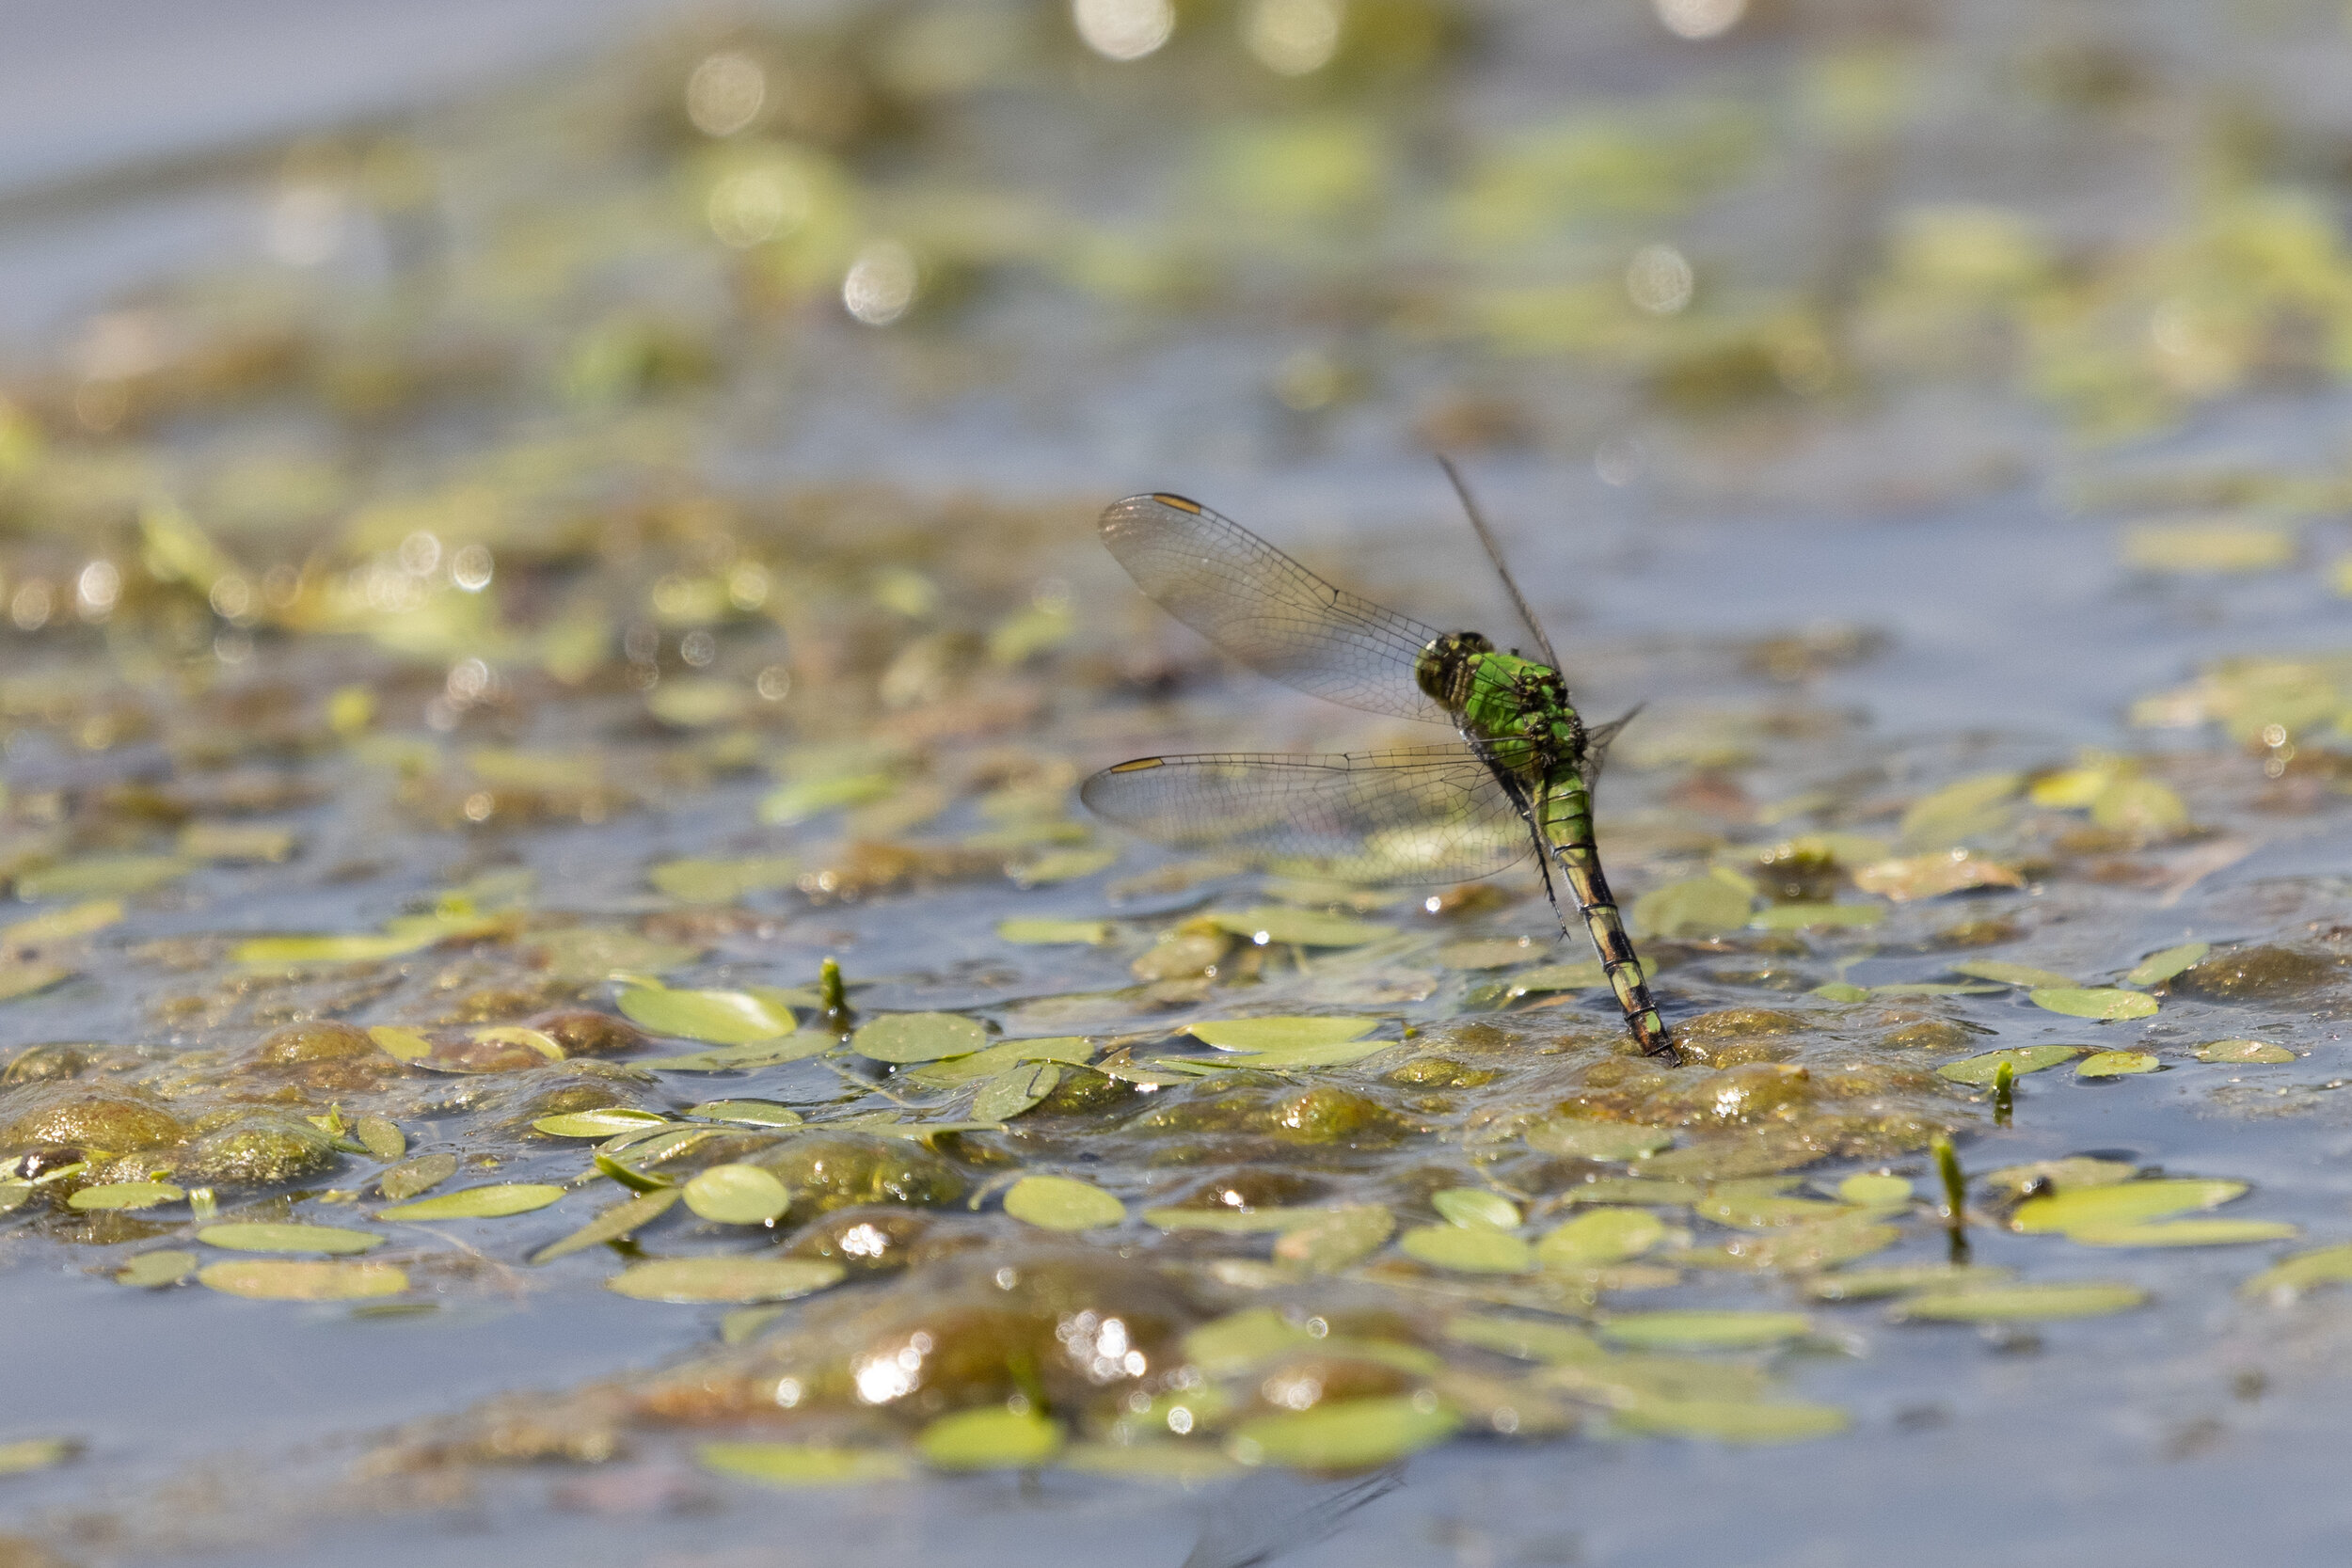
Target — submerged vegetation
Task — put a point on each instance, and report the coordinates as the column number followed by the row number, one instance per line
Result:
column 481, row 835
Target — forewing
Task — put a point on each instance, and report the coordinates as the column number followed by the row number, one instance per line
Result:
column 1426, row 814
column 1267, row 611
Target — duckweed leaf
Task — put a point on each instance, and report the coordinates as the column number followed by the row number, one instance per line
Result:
column 1345, row 1435
column 278, row 1279
column 737, row 1195
column 1048, row 933
column 794, row 1047
column 919, row 1037
column 1875, row 1192
column 1062, row 1203
column 1276, row 1034
column 2184, row 1233
column 478, row 1203
column 1597, row 1140
column 622, row 1219
column 2116, row 1064
column 2011, row 973
column 1599, row 1236
column 719, row 1017
column 2023, row 1303
column 2157, row 968
column 2123, row 1203
column 2094, row 1002
column 1475, row 1207
column 1336, row 1238
column 1468, row 1251
column 2022, row 1059
column 419, row 1175
column 1703, row 1330
column 688, row 1281
column 1300, row 927
column 2291, row 1276
column 600, row 1123
column 126, row 1195
column 1730, row 1421
column 151, row 1269
column 990, row 1439
column 2244, row 1051
column 748, row 1113
column 801, row 1463
column 380, row 1137
column 1014, row 1090
column 332, row 1239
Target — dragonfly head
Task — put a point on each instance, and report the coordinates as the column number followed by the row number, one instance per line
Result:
column 1445, row 667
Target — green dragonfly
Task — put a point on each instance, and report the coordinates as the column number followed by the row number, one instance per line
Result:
column 1518, row 780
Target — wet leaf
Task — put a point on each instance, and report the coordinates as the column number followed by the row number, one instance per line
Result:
column 275, row 952
column 2245, row 1051
column 2022, row 1059
column 380, row 1137
column 1062, row 1203
column 1272, row 924
column 622, row 1219
column 478, row 1203
column 36, row 1453
column 1475, row 1207
column 2010, row 974
column 1728, row 1422
column 601, row 1123
column 2116, row 1064
column 1066, row 1049
column 2122, row 1203
column 1046, row 933
column 1235, row 1343
column 748, row 1113
column 1468, row 1251
column 801, row 1463
column 1345, row 1435
column 332, row 1239
column 1599, row 1236
column 722, row 882
column 2304, row 1270
column 990, row 1439
column 1696, row 906
column 126, row 1195
column 419, row 1175
column 737, row 1195
column 2063, row 1176
column 2184, row 1233
column 719, row 1017
column 1965, row 809
column 1704, row 1330
column 1901, row 1280
column 1931, row 876
column 2157, row 968
column 149, row 1270
column 1798, row 1248
column 1336, row 1238
column 1799, row 917
column 1015, row 1090
column 1838, row 990
column 1275, row 1034
column 19, row 978
column 1526, row 1339
column 2082, row 1001
column 919, row 1037
column 1875, row 1192
column 2023, row 1303
column 693, row 1281
column 278, row 1279
column 1629, row 1189
column 794, row 1047
column 1597, row 1140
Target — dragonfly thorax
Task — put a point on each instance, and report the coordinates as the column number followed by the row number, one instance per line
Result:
column 1503, row 700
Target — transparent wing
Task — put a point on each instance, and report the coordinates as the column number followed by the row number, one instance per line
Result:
column 1266, row 609
column 1429, row 814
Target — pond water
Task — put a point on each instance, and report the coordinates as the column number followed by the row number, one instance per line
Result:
column 508, row 574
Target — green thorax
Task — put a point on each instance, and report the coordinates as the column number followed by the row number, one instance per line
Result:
column 1519, row 706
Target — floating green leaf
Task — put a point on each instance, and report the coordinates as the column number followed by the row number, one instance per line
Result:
column 1704, row 1330
column 600, row 1123
column 1597, row 1140
column 622, row 1219
column 2094, row 1002
column 2023, row 1303
column 2245, row 1051
column 419, row 1175
column 1036, row 932
column 1345, row 1435
column 101, row 877
column 2157, row 968
column 1970, row 808
column 381, row 1137
column 2123, row 1203
column 1875, row 1192
column 1489, row 953
column 1336, row 1238
column 1067, row 1050
column 271, row 952
column 2184, row 1233
column 2012, row 975
column 690, row 1281
column 126, row 1195
column 801, row 1463
column 1014, row 1091
column 722, row 882
column 919, row 1037
column 1902, row 1279
column 719, row 1017
column 330, row 1239
column 1477, row 1206
column 279, row 1280
column 1799, row 917
column 1468, row 1251
column 2022, row 1059
column 794, row 1047
column 1730, row 1421
column 19, row 978
column 1839, row 991
column 1276, row 1034
column 36, row 1453
column 992, row 1439
column 151, row 1269
column 1696, row 906
column 1272, row 924
column 1062, row 1203
column 75, row 920
column 478, row 1203
column 1223, row 1347
column 2116, row 1064
column 2291, row 1276
column 1599, row 1236
column 737, row 1195
column 748, row 1113
column 1526, row 1339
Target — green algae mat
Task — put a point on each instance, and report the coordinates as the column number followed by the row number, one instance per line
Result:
column 559, row 1000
